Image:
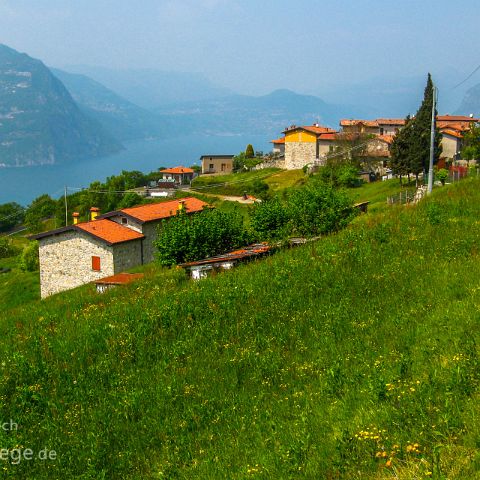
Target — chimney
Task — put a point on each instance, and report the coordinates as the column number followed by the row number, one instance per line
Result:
column 181, row 206
column 94, row 212
column 75, row 216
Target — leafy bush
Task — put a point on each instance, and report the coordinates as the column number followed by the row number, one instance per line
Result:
column 318, row 209
column 29, row 259
column 340, row 175
column 7, row 250
column 269, row 220
column 187, row 238
column 442, row 175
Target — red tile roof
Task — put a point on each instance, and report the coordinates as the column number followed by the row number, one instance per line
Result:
column 278, row 140
column 460, row 126
column 120, row 279
column 317, row 129
column 352, row 123
column 386, row 138
column 157, row 211
column 390, row 121
column 109, row 231
column 455, row 118
column 453, row 133
column 177, row 170
column 328, row 136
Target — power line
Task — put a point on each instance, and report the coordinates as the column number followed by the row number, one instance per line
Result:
column 468, row 78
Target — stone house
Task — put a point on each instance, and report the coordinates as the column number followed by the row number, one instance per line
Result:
column 307, row 145
column 104, row 246
column 217, row 164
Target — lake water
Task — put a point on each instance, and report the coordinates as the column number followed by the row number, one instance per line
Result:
column 22, row 185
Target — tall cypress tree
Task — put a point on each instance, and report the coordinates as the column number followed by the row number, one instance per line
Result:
column 420, row 141
column 400, row 150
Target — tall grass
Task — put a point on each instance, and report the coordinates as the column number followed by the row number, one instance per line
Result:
column 352, row 357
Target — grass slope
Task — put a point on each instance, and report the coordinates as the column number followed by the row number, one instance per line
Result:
column 352, row 357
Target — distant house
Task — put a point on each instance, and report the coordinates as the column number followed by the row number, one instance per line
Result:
column 104, row 246
column 278, row 146
column 180, row 175
column 307, row 145
column 453, row 128
column 379, row 126
column 217, row 164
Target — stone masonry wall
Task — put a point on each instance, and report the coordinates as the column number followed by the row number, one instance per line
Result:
column 127, row 255
column 66, row 261
column 299, row 154
column 150, row 230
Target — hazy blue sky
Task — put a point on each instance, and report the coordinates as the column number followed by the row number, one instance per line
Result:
column 251, row 46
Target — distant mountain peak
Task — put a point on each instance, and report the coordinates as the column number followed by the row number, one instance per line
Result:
column 39, row 121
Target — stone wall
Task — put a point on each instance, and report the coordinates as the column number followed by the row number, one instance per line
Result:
column 299, row 154
column 150, row 230
column 127, row 255
column 66, row 261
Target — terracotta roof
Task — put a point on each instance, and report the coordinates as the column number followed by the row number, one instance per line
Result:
column 120, row 279
column 352, row 123
column 386, row 138
column 317, row 129
column 106, row 230
column 109, row 231
column 177, row 170
column 455, row 118
column 328, row 136
column 453, row 133
column 460, row 126
column 157, row 211
column 390, row 121
column 278, row 140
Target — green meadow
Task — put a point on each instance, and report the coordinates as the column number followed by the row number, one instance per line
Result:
column 353, row 357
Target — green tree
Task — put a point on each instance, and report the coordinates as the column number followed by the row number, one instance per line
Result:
column 249, row 151
column 471, row 143
column 7, row 249
column 41, row 208
column 318, row 209
column 419, row 142
column 29, row 258
column 187, row 238
column 270, row 220
column 400, row 150
column 11, row 215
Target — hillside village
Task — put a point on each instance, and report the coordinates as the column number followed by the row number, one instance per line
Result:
column 111, row 243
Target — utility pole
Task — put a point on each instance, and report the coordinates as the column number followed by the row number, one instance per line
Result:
column 432, row 141
column 66, row 206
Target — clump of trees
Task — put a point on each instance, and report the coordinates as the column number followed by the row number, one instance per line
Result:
column 410, row 151
column 471, row 143
column 187, row 237
column 11, row 215
column 314, row 209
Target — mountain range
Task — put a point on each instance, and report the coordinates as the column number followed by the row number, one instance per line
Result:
column 53, row 116
column 39, row 121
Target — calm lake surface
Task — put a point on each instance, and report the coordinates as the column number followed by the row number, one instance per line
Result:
column 22, row 185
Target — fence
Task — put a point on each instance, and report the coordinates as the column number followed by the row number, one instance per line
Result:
column 402, row 198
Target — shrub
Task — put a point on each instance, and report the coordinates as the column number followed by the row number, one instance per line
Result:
column 249, row 152
column 29, row 258
column 442, row 175
column 269, row 220
column 187, row 238
column 318, row 209
column 7, row 249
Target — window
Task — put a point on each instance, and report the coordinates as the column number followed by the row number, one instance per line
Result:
column 210, row 167
column 381, row 130
column 96, row 264
column 224, row 166
column 124, row 221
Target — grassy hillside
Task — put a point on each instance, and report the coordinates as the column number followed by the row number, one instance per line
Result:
column 352, row 357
